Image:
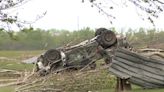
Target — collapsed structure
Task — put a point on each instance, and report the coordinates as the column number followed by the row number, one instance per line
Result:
column 125, row 64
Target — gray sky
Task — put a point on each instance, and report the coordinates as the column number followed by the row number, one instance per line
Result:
column 72, row 14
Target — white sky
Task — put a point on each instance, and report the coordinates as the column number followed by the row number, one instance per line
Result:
column 67, row 14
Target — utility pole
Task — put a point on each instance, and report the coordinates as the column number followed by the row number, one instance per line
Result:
column 78, row 23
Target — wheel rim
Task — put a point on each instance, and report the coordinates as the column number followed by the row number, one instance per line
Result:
column 53, row 55
column 108, row 37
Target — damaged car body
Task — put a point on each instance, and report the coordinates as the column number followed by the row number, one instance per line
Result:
column 78, row 56
column 137, row 67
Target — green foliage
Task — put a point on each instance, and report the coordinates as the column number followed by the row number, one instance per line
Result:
column 38, row 39
column 146, row 38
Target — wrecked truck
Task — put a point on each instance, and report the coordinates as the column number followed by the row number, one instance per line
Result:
column 78, row 56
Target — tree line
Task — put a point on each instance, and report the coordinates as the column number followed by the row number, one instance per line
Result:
column 39, row 39
column 146, row 38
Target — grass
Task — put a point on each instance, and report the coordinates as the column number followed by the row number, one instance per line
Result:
column 7, row 89
column 102, row 79
column 11, row 89
column 15, row 58
column 15, row 65
column 19, row 54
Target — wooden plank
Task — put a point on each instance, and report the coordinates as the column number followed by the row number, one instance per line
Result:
column 138, row 76
column 143, row 71
column 140, row 61
column 142, row 83
column 118, row 73
column 138, row 73
column 139, row 56
column 132, row 79
column 146, row 69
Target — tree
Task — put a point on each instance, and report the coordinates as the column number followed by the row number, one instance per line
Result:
column 152, row 8
column 6, row 17
column 7, row 20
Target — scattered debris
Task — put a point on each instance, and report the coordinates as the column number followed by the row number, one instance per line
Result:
column 79, row 56
column 138, row 69
column 143, row 68
column 32, row 60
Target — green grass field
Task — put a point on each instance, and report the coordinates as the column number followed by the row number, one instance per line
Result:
column 19, row 54
column 13, row 59
column 103, row 81
column 7, row 89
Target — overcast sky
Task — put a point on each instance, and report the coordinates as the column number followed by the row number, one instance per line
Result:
column 73, row 15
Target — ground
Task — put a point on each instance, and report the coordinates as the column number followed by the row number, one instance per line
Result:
column 99, row 80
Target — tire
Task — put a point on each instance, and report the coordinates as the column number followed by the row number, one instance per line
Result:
column 52, row 55
column 107, row 39
column 100, row 31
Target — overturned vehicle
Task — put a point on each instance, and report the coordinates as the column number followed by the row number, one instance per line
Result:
column 137, row 67
column 78, row 56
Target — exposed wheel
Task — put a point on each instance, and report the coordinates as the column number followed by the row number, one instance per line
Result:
column 100, row 31
column 107, row 39
column 52, row 55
